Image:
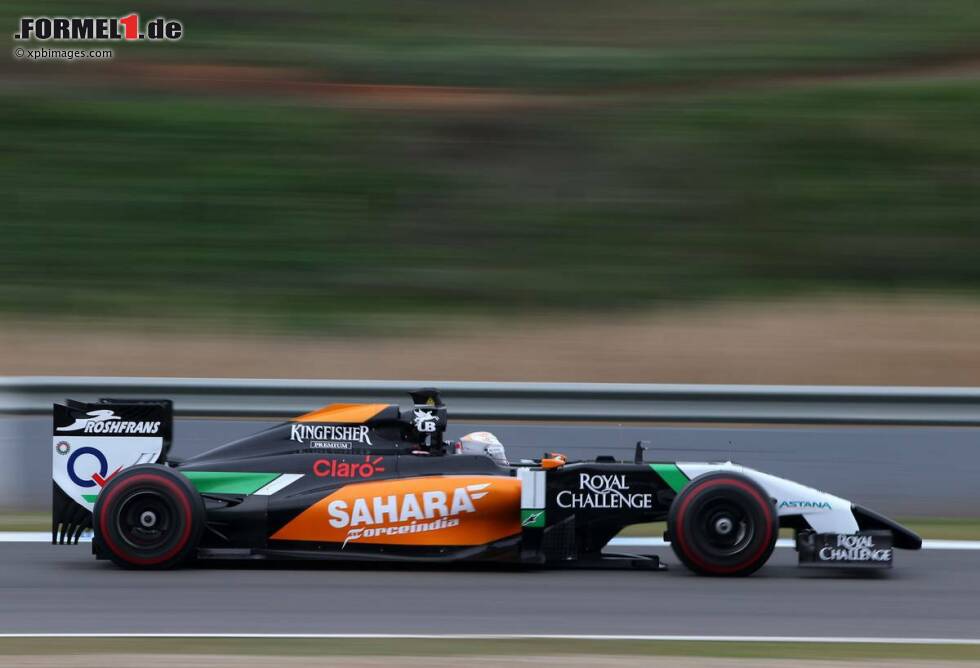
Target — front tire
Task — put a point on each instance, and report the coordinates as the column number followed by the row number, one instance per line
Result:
column 723, row 524
column 150, row 517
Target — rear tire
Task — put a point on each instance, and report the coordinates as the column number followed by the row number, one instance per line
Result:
column 148, row 516
column 723, row 524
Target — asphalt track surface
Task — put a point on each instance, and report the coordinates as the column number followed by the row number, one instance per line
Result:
column 62, row 589
column 896, row 471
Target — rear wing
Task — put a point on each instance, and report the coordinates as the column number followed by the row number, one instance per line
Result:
column 91, row 442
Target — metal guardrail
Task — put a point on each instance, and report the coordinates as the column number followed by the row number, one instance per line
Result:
column 566, row 402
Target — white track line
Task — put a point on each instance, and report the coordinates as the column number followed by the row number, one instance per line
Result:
column 863, row 640
column 31, row 537
column 928, row 544
column 635, row 541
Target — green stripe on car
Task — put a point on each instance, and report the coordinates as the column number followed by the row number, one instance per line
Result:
column 672, row 475
column 532, row 518
column 229, row 482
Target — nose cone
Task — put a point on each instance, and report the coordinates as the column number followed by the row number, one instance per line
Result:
column 902, row 537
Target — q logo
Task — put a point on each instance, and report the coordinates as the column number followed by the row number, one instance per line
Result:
column 99, row 478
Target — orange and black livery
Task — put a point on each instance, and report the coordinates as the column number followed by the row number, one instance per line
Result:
column 375, row 482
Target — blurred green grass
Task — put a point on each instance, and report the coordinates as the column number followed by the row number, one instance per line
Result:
column 485, row 647
column 273, row 212
column 551, row 44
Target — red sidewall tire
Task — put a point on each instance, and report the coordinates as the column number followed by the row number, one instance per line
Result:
column 169, row 497
column 690, row 519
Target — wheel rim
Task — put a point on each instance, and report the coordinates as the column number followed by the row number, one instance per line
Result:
column 146, row 519
column 726, row 528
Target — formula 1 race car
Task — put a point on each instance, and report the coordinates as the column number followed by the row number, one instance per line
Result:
column 375, row 482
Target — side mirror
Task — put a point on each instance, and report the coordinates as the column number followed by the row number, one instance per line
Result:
column 640, row 448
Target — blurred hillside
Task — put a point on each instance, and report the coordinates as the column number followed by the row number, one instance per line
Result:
column 846, row 340
column 381, row 164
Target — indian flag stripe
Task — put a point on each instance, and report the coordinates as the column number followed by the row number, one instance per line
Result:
column 279, row 484
column 672, row 475
column 229, row 482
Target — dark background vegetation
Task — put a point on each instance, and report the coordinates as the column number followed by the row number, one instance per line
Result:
column 312, row 167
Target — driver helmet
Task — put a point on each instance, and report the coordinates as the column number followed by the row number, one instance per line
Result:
column 481, row 443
